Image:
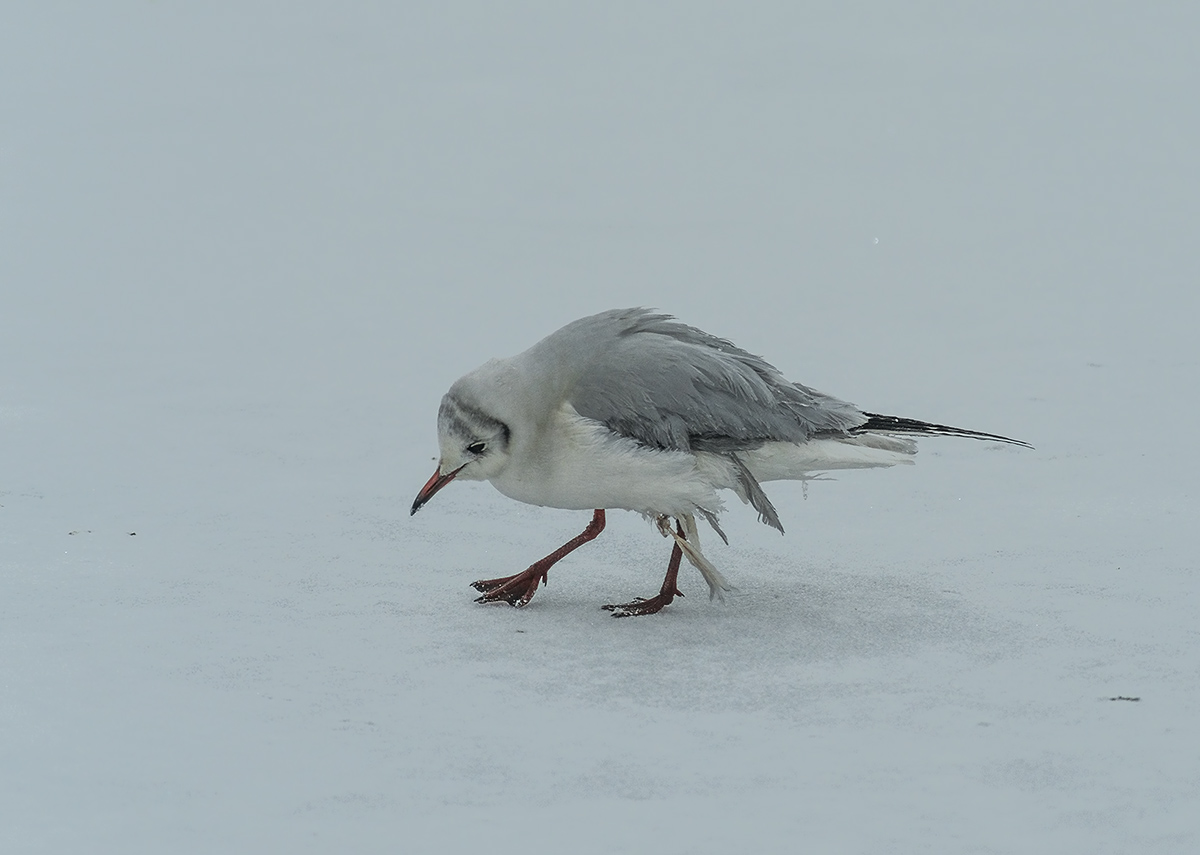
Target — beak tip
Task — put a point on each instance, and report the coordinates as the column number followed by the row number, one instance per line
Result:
column 437, row 482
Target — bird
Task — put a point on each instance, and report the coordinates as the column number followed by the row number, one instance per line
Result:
column 632, row 409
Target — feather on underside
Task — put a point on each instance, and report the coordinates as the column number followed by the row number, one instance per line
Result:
column 755, row 495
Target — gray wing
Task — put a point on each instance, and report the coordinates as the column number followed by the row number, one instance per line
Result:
column 671, row 386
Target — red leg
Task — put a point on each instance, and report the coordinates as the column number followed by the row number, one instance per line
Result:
column 518, row 590
column 668, row 592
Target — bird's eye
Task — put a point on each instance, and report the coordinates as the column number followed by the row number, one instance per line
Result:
column 477, row 447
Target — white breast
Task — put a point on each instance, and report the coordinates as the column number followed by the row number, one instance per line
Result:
column 578, row 463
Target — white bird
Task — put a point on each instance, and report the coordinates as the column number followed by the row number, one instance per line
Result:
column 631, row 409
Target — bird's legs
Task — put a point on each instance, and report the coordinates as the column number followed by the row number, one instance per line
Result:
column 668, row 592
column 518, row 590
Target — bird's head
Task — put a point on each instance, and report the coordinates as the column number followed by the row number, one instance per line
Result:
column 473, row 440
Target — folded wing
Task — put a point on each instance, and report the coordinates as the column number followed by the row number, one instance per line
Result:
column 670, row 386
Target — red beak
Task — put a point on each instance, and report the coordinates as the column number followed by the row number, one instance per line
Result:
column 437, row 482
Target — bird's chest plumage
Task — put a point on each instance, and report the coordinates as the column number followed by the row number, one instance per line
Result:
column 578, row 464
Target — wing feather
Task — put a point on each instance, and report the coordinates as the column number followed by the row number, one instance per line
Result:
column 670, row 386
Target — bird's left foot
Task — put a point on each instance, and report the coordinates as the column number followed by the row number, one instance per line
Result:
column 515, row 590
column 642, row 606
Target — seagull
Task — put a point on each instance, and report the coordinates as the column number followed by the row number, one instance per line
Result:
column 631, row 409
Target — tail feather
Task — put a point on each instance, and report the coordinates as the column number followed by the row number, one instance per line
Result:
column 895, row 424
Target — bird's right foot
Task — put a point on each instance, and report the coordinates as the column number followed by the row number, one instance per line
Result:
column 515, row 590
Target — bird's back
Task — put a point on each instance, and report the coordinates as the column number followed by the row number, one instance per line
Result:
column 670, row 386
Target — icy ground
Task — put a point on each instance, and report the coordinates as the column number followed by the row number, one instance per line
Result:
column 246, row 247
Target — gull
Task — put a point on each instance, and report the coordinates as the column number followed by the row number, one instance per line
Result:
column 631, row 409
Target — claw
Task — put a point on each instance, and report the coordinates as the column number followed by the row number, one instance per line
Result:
column 640, row 606
column 515, row 590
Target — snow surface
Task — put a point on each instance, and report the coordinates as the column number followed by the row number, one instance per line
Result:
column 246, row 247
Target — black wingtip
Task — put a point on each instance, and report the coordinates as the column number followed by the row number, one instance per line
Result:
column 877, row 423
